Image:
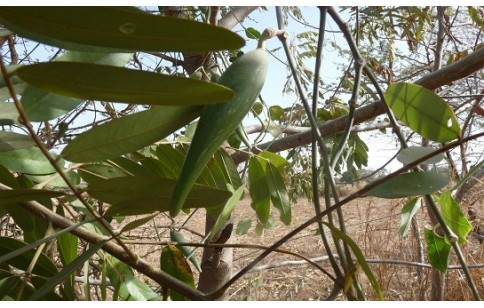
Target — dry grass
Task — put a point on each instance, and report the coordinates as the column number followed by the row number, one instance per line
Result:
column 371, row 222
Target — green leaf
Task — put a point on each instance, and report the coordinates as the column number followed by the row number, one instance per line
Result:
column 279, row 195
column 8, row 114
column 29, row 161
column 423, row 111
column 17, row 83
column 410, row 184
column 135, row 195
column 128, row 134
column 252, row 33
column 54, row 180
column 13, row 141
column 110, row 28
column 225, row 213
column 137, row 223
column 229, row 168
column 409, row 210
column 243, row 226
column 275, row 159
column 44, row 266
column 257, row 108
column 276, row 113
column 259, row 188
column 8, row 286
column 173, row 263
column 123, row 279
column 66, row 272
column 359, row 257
column 438, row 250
column 412, row 153
column 41, row 105
column 453, row 216
column 117, row 84
column 188, row 252
column 10, row 197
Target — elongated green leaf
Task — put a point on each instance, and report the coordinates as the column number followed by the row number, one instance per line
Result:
column 137, row 223
column 438, row 250
column 116, row 84
column 229, row 168
column 29, row 161
column 423, row 111
column 108, row 28
column 410, row 154
column 226, row 213
column 453, row 216
column 8, row 285
column 173, row 263
column 66, row 271
column 188, row 252
column 128, row 134
column 13, row 141
column 279, row 195
column 147, row 194
column 409, row 210
column 410, row 184
column 44, row 266
column 20, row 195
column 359, row 256
column 41, row 105
column 259, row 188
column 54, row 180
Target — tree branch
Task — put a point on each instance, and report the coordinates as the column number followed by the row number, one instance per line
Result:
column 450, row 73
column 237, row 14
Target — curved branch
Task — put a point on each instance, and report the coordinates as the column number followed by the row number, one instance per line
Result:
column 446, row 75
column 231, row 19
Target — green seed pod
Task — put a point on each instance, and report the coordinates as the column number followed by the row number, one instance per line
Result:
column 245, row 77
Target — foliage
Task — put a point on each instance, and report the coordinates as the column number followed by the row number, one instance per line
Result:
column 155, row 143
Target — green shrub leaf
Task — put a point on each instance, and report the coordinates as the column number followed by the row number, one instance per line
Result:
column 438, row 250
column 117, row 84
column 115, row 28
column 410, row 184
column 423, row 111
column 453, row 216
column 128, row 134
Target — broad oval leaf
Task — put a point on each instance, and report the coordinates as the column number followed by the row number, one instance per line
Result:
column 410, row 184
column 173, row 263
column 44, row 266
column 438, row 250
column 128, row 134
column 136, row 195
column 14, row 141
column 42, row 105
column 411, row 154
column 111, row 28
column 423, row 111
column 23, row 194
column 117, row 84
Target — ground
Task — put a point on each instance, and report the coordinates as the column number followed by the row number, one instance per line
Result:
column 371, row 222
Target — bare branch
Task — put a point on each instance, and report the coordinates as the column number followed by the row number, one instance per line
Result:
column 237, row 14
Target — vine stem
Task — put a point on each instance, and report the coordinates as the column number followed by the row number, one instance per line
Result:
column 25, row 121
